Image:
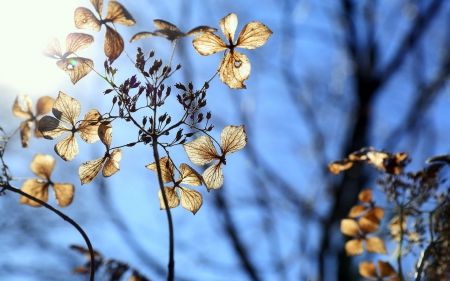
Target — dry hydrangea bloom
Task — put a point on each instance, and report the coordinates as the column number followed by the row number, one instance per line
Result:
column 42, row 166
column 201, row 151
column 116, row 13
column 360, row 230
column 191, row 199
column 23, row 108
column 235, row 67
column 89, row 170
column 76, row 67
column 170, row 31
column 386, row 271
column 367, row 209
column 67, row 110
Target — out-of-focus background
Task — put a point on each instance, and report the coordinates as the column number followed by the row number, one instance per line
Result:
column 334, row 77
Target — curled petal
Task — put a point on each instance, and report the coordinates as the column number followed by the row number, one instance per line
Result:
column 228, row 25
column 25, row 129
column 51, row 128
column 84, row 18
column 43, row 165
column 208, row 44
column 88, row 128
column 232, row 139
column 200, row 30
column 167, row 168
column 191, row 199
column 234, row 69
column 172, row 198
column 162, row 24
column 201, row 151
column 113, row 45
column 89, row 170
column 67, row 148
column 63, row 193
column 253, row 35
column 189, row 176
column 118, row 14
column 141, row 35
column 66, row 109
column 112, row 163
column 213, row 176
column 105, row 134
column 338, row 166
column 35, row 188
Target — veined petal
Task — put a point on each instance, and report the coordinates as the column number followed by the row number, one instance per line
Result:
column 189, row 176
column 167, row 168
column 201, row 151
column 172, row 198
column 234, row 69
column 191, row 199
column 53, row 49
column 51, row 128
column 118, row 14
column 232, row 139
column 78, row 41
column 66, row 109
column 208, row 43
column 213, row 176
column 105, row 134
column 67, row 148
column 76, row 67
column 84, row 18
column 141, row 35
column 162, row 24
column 253, row 35
column 113, row 45
column 200, row 30
column 228, row 25
column 90, row 169
column 35, row 188
column 98, row 6
column 43, row 165
column 88, row 128
column 112, row 163
column 63, row 193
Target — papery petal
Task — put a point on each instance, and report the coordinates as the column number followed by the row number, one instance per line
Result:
column 53, row 49
column 213, row 176
column 356, row 211
column 191, row 199
column 232, row 139
column 367, row 226
column 253, row 35
column 162, row 24
column 208, row 43
column 90, row 169
column 76, row 68
column 63, row 193
column 141, row 35
column 35, row 188
column 167, row 168
column 25, row 132
column 234, row 69
column 201, row 151
column 44, row 105
column 105, row 134
column 51, row 128
column 349, row 227
column 172, row 198
column 88, row 128
column 169, row 34
column 375, row 245
column 200, row 30
column 365, row 196
column 66, row 109
column 67, row 148
column 98, row 6
column 84, row 18
column 43, row 165
column 23, row 106
column 112, row 163
column 367, row 269
column 354, row 247
column 118, row 14
column 228, row 25
column 78, row 41
column 113, row 45
column 189, row 176
column 386, row 270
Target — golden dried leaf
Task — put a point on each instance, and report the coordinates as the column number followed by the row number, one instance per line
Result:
column 189, row 176
column 201, row 151
column 141, row 35
column 253, row 35
column 172, row 198
column 118, row 14
column 365, row 196
column 367, row 226
column 234, row 69
column 367, row 269
column 232, row 139
column 228, row 25
column 208, row 44
column 89, row 170
column 338, row 166
column 354, row 247
column 200, row 30
column 191, row 199
column 66, row 109
column 84, row 18
column 76, row 68
column 356, row 211
column 105, row 134
column 114, row 44
column 167, row 169
column 162, row 24
column 112, row 163
column 51, row 128
column 386, row 270
column 23, row 106
column 375, row 245
column 349, row 227
column 43, row 165
column 88, row 128
column 213, row 176
column 44, row 105
column 64, row 193
column 35, row 188
column 67, row 148
column 78, row 41
column 375, row 214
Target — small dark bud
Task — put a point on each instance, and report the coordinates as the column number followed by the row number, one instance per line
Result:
column 131, row 144
column 168, row 91
column 107, row 91
column 151, row 54
column 180, row 86
column 208, row 115
column 144, row 121
column 168, row 120
column 190, row 86
column 188, row 135
column 178, row 66
column 206, row 85
column 210, row 128
column 114, row 100
column 179, row 135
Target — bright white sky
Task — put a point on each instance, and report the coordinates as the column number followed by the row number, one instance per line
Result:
column 26, row 27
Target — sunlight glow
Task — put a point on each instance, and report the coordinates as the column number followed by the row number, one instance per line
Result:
column 26, row 28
